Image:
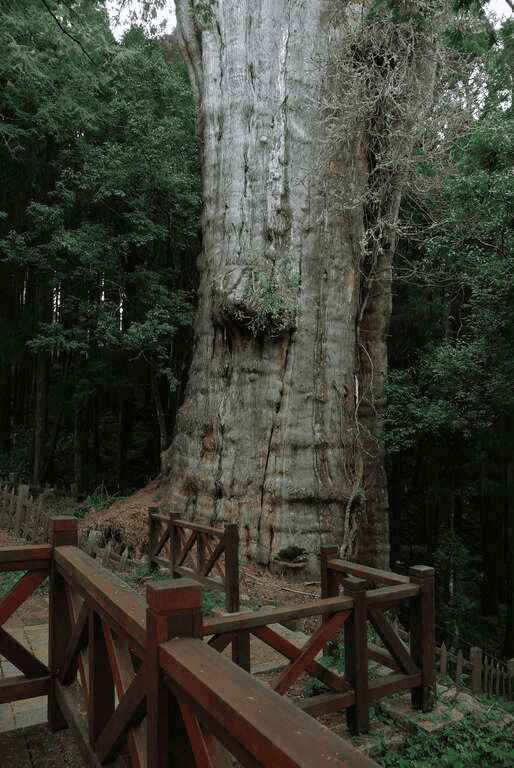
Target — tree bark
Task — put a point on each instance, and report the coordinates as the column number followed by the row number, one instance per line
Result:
column 280, row 426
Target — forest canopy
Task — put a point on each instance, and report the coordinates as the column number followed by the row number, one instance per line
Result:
column 98, row 240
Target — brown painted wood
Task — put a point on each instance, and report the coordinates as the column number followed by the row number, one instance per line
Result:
column 107, row 594
column 364, row 572
column 75, row 604
column 59, row 629
column 220, row 642
column 306, row 656
column 231, row 540
column 27, row 557
column 129, row 713
column 208, row 752
column 392, row 641
column 422, row 635
column 196, row 527
column 124, row 674
column 256, row 725
column 71, row 704
column 173, row 608
column 385, row 686
column 241, row 650
column 77, row 642
column 214, row 554
column 290, row 651
column 18, row 655
column 376, row 653
column 326, row 703
column 388, row 597
column 264, row 616
column 20, row 592
column 17, row 687
column 356, row 656
column 101, row 680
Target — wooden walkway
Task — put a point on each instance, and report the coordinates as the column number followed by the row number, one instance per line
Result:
column 39, row 747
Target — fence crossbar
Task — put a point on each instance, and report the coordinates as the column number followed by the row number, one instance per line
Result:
column 253, row 722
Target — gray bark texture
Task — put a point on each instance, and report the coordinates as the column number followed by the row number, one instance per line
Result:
column 279, row 428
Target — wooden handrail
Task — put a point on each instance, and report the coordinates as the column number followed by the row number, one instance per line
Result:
column 264, row 616
column 32, row 557
column 365, row 572
column 253, row 722
column 107, row 594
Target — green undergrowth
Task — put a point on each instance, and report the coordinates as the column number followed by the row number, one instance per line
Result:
column 8, row 580
column 95, row 502
column 475, row 742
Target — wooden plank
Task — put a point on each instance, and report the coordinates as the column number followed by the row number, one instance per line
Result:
column 124, row 675
column 290, row 651
column 77, row 642
column 264, row 616
column 387, row 597
column 19, row 593
column 71, row 703
column 220, row 642
column 306, row 656
column 27, row 557
column 164, row 536
column 377, row 653
column 101, row 681
column 385, row 686
column 367, row 573
column 208, row 752
column 128, row 713
column 107, row 594
column 17, row 688
column 326, row 703
column 214, row 554
column 197, row 527
column 18, row 655
column 392, row 641
column 252, row 721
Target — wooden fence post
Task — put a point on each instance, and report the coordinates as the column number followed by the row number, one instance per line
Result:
column 62, row 531
column 241, row 643
column 101, row 680
column 174, row 609
column 510, row 678
column 152, row 536
column 356, row 654
column 475, row 657
column 329, row 578
column 174, row 544
column 422, row 635
column 329, row 583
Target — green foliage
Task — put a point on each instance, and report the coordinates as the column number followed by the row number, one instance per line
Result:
column 470, row 743
column 449, row 422
column 212, row 601
column 272, row 298
column 99, row 225
column 98, row 500
column 8, row 580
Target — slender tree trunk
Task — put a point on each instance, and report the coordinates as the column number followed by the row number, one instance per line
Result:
column 279, row 430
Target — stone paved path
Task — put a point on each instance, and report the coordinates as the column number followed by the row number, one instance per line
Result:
column 29, row 625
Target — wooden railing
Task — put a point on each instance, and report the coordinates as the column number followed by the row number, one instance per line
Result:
column 481, row 673
column 412, row 668
column 35, row 561
column 196, row 551
column 154, row 695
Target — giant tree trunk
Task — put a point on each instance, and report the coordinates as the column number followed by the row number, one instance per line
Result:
column 279, row 427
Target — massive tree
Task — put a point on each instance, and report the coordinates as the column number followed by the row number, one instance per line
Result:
column 308, row 115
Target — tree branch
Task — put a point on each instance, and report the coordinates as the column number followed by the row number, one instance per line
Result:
column 68, row 34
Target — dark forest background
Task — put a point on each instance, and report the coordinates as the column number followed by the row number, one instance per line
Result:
column 100, row 205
